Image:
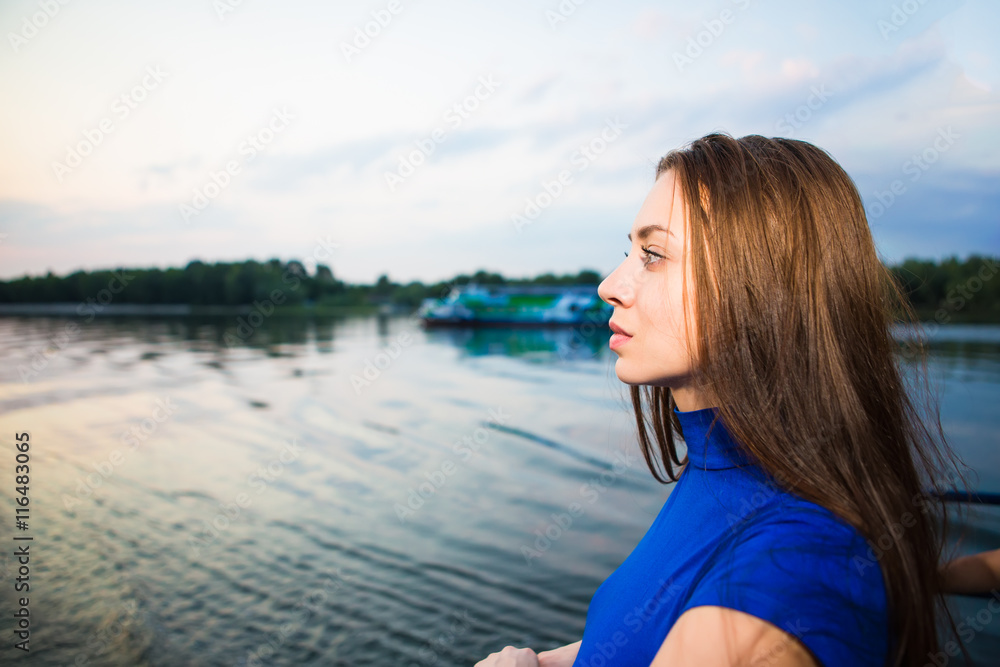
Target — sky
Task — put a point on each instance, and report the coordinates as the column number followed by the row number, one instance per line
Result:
column 426, row 138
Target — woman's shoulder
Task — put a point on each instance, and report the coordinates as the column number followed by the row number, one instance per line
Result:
column 812, row 517
column 798, row 540
column 790, row 519
column 759, row 503
column 798, row 565
column 791, row 508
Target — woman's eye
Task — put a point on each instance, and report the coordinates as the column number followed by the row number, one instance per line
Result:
column 650, row 257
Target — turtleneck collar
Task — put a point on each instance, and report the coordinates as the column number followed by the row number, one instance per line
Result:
column 715, row 450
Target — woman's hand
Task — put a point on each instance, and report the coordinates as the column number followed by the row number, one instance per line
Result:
column 976, row 574
column 510, row 657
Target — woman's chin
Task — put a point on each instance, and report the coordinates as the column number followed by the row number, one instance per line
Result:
column 629, row 375
column 634, row 374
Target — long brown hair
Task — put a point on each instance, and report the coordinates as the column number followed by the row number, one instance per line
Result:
column 795, row 314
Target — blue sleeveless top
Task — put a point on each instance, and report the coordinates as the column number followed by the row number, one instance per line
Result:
column 728, row 536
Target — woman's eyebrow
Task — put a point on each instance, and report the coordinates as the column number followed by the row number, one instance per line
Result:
column 649, row 229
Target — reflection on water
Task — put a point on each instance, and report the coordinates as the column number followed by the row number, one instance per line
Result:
column 542, row 344
column 349, row 491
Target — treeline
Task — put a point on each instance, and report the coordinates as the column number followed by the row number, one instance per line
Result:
column 242, row 283
column 951, row 290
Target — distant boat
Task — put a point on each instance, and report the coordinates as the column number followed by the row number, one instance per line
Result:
column 535, row 305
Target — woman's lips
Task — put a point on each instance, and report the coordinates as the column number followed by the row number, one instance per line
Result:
column 619, row 337
column 617, row 340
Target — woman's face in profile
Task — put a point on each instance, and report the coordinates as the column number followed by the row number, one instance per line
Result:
column 647, row 292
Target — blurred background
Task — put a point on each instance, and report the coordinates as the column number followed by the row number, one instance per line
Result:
column 219, row 221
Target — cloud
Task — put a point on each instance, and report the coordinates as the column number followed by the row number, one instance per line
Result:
column 287, row 172
column 878, row 101
column 651, row 24
column 943, row 213
column 537, row 91
column 170, row 170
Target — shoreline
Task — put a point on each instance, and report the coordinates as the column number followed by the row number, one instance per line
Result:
column 60, row 309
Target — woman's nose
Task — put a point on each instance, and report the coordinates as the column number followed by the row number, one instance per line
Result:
column 602, row 291
column 613, row 290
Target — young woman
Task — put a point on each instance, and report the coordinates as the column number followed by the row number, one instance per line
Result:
column 752, row 317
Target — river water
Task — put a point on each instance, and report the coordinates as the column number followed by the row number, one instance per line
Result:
column 354, row 491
